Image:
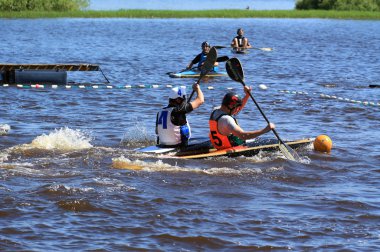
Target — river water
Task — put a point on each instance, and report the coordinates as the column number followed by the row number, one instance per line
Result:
column 61, row 190
column 192, row 5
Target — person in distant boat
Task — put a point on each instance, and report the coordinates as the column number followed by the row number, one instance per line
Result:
column 225, row 132
column 240, row 42
column 201, row 58
column 172, row 127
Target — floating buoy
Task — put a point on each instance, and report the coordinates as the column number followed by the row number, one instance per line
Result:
column 323, row 143
column 263, row 87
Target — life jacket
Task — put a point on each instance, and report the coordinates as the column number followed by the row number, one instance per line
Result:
column 202, row 59
column 218, row 140
column 240, row 40
column 168, row 133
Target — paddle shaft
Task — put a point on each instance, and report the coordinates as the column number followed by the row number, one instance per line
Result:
column 198, row 81
column 262, row 113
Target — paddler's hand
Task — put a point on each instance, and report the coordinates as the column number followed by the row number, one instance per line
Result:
column 247, row 90
column 269, row 127
column 196, row 87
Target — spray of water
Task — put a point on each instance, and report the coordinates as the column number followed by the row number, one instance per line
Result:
column 64, row 139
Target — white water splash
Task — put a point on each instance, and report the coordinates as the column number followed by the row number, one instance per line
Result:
column 64, row 139
column 137, row 135
column 4, row 129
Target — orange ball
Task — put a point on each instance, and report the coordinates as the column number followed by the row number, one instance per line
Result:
column 323, row 143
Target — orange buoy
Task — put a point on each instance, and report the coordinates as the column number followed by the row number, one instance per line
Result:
column 323, row 143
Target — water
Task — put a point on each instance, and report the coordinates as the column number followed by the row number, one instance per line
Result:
column 193, row 4
column 68, row 170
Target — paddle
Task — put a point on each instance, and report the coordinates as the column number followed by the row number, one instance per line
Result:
column 207, row 66
column 267, row 49
column 222, row 59
column 236, row 73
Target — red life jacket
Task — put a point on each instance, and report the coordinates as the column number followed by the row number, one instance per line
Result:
column 218, row 140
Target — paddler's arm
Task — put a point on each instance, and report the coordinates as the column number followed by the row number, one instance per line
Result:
column 200, row 98
column 247, row 90
column 194, row 61
column 234, row 43
column 245, row 135
column 247, row 44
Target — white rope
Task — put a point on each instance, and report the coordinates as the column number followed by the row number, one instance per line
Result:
column 102, row 86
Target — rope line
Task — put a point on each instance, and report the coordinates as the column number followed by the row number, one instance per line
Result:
column 333, row 97
column 102, row 86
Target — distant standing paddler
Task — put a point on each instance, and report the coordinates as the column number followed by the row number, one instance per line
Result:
column 240, row 42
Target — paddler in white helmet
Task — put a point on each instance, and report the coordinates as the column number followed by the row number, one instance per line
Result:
column 172, row 127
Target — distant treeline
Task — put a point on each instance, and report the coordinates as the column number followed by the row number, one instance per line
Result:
column 43, row 5
column 344, row 5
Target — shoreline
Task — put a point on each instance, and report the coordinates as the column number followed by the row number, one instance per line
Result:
column 227, row 13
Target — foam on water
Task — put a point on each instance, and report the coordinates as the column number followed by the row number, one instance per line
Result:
column 4, row 129
column 64, row 139
column 159, row 166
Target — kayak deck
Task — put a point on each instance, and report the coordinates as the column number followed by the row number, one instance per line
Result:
column 205, row 149
column 248, row 150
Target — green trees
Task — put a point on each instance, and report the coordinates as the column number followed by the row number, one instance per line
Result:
column 347, row 5
column 43, row 5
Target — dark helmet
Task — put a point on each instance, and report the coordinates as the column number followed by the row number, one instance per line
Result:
column 205, row 43
column 232, row 100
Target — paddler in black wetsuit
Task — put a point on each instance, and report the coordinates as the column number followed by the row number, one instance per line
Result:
column 240, row 42
column 201, row 58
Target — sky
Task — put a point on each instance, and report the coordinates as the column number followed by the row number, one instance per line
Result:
column 192, row 4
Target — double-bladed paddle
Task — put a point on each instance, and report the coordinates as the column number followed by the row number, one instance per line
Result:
column 236, row 73
column 267, row 49
column 207, row 66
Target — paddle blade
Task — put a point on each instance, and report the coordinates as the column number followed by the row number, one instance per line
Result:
column 207, row 66
column 209, row 63
column 235, row 70
column 289, row 153
column 267, row 49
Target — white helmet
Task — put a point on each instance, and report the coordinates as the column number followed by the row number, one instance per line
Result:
column 178, row 92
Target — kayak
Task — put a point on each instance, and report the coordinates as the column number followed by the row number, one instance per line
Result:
column 206, row 150
column 192, row 73
column 240, row 51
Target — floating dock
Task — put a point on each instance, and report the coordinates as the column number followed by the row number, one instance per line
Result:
column 41, row 73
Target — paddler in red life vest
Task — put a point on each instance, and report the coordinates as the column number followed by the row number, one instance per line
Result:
column 240, row 42
column 172, row 127
column 224, row 129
